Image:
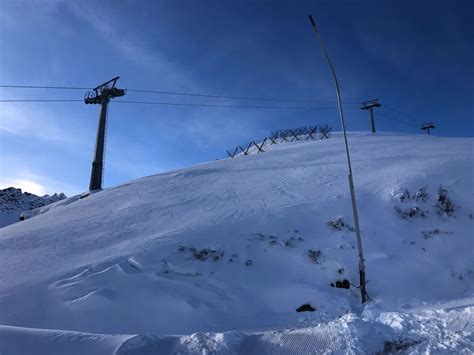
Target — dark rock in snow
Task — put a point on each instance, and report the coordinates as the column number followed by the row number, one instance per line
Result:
column 339, row 224
column 410, row 212
column 435, row 232
column 444, row 204
column 398, row 346
column 205, row 254
column 341, row 284
column 314, row 255
column 305, row 308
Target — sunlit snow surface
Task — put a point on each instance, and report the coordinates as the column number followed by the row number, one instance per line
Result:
column 129, row 260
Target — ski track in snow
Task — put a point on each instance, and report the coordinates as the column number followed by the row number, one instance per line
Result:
column 121, row 261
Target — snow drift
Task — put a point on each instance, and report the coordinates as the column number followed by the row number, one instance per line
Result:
column 224, row 252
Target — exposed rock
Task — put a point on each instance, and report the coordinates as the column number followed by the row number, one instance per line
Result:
column 305, row 308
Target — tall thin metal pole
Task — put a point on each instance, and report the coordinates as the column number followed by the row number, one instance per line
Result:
column 363, row 290
column 98, row 162
column 372, row 122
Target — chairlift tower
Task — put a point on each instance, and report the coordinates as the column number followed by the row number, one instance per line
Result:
column 369, row 105
column 101, row 95
column 427, row 126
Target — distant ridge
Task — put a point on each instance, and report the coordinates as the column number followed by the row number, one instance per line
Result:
column 13, row 202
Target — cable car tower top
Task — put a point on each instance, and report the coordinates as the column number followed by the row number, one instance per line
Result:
column 106, row 90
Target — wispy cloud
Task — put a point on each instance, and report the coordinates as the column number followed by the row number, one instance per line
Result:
column 11, row 9
column 38, row 184
column 129, row 46
column 28, row 134
column 25, row 122
column 34, row 121
column 25, row 186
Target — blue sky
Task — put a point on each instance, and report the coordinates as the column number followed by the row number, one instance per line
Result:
column 415, row 56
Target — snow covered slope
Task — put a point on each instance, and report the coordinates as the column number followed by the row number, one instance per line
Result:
column 235, row 246
column 13, row 202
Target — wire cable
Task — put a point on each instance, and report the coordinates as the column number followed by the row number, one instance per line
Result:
column 176, row 94
column 229, row 106
column 41, row 100
column 232, row 97
column 398, row 120
column 180, row 104
column 400, row 112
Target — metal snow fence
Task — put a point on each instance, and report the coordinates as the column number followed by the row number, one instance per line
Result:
column 280, row 136
column 324, row 132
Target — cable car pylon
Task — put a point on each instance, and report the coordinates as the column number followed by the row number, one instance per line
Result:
column 101, row 95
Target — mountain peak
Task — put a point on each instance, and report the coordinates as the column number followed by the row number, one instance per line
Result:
column 13, row 201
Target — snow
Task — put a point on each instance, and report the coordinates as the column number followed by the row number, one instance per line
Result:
column 438, row 332
column 16, row 340
column 215, row 257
